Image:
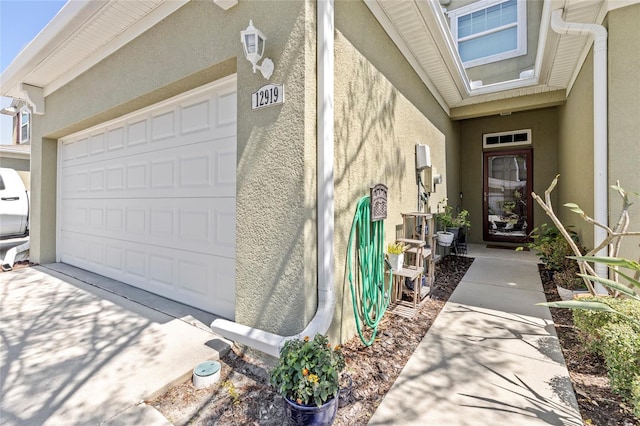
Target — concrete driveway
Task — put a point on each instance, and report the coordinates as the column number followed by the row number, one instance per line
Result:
column 78, row 348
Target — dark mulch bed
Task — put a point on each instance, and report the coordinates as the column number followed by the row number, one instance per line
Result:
column 598, row 404
column 246, row 397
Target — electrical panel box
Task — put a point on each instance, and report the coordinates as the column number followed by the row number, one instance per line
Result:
column 423, row 156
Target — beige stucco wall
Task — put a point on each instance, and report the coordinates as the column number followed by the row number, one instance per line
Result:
column 22, row 164
column 200, row 43
column 543, row 125
column 382, row 110
column 624, row 113
column 575, row 153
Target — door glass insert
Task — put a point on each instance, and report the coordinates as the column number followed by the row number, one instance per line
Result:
column 507, row 190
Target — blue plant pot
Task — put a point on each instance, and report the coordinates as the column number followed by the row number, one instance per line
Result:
column 299, row 415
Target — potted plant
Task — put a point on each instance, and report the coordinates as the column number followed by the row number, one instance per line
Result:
column 445, row 238
column 307, row 377
column 395, row 253
column 452, row 221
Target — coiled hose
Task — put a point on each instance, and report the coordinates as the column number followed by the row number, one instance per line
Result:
column 371, row 297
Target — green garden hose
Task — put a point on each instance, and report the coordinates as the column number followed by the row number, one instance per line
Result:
column 371, row 297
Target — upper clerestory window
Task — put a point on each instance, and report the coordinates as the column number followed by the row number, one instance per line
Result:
column 25, row 126
column 489, row 31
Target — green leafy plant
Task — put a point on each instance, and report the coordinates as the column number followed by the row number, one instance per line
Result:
column 635, row 395
column 612, row 241
column 508, row 206
column 553, row 251
column 611, row 323
column 308, row 370
column 449, row 219
column 627, row 291
column 551, row 246
column 615, row 335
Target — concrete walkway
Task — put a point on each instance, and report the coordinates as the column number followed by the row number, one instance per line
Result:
column 491, row 357
column 79, row 348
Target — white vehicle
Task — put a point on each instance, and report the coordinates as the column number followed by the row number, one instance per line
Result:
column 14, row 205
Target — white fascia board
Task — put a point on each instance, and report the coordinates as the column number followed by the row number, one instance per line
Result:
column 406, row 52
column 616, row 4
column 446, row 44
column 71, row 16
column 15, row 152
column 155, row 16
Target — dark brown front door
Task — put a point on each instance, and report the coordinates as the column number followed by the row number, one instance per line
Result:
column 508, row 181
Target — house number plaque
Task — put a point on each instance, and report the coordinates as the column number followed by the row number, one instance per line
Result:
column 268, row 95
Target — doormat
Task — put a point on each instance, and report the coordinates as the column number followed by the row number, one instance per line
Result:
column 498, row 246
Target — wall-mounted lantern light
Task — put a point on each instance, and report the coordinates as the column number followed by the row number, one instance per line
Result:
column 253, row 42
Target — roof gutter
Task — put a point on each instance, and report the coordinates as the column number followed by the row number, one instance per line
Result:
column 271, row 343
column 600, row 120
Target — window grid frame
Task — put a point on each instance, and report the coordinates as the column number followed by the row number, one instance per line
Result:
column 520, row 24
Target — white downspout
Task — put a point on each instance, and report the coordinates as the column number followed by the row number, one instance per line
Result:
column 271, row 343
column 600, row 120
column 10, row 256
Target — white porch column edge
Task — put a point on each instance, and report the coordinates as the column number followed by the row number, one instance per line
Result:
column 271, row 343
column 600, row 120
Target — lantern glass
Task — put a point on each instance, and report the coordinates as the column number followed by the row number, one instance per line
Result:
column 254, row 43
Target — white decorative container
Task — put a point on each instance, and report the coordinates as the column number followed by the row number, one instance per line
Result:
column 396, row 261
column 566, row 294
column 445, row 238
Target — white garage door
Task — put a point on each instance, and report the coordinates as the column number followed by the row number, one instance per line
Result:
column 149, row 199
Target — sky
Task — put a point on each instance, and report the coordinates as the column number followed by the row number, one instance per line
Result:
column 20, row 22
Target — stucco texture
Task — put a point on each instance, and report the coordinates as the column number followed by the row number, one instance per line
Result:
column 200, row 43
column 575, row 154
column 381, row 111
column 544, row 130
column 624, row 110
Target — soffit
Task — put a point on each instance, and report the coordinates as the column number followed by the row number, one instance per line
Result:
column 420, row 31
column 82, row 34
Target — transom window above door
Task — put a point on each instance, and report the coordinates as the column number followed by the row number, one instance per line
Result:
column 489, row 31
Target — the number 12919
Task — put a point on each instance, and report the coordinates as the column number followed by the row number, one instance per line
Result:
column 268, row 95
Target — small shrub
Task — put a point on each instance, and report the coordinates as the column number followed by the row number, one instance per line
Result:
column 621, row 352
column 568, row 278
column 635, row 396
column 592, row 323
column 553, row 249
column 617, row 339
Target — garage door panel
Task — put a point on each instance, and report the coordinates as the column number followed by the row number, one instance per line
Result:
column 149, row 199
column 192, row 224
column 206, row 169
column 204, row 281
column 206, row 118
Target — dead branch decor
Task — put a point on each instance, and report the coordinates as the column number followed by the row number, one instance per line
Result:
column 612, row 241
